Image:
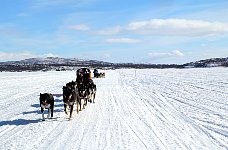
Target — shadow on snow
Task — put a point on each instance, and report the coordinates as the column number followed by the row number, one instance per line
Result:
column 57, row 108
column 19, row 122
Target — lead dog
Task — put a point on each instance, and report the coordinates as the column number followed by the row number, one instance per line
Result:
column 47, row 102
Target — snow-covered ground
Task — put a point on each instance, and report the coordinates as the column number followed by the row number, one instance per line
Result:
column 133, row 109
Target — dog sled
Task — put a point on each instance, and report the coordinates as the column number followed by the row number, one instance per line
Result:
column 96, row 74
column 85, row 83
column 84, row 72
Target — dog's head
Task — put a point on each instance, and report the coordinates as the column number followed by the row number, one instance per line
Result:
column 68, row 92
column 91, row 85
column 82, row 90
column 72, row 84
column 45, row 99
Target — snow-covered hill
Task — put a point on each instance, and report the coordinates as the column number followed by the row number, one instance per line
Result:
column 53, row 60
column 133, row 109
column 213, row 62
column 50, row 63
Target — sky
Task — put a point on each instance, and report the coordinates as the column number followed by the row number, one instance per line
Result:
column 119, row 31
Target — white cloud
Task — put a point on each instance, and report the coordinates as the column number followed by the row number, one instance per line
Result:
column 107, row 55
column 110, row 31
column 48, row 55
column 175, row 53
column 79, row 27
column 6, row 56
column 171, row 27
column 122, row 40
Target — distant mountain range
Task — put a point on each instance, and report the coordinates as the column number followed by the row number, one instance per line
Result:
column 213, row 62
column 54, row 61
column 51, row 63
column 59, row 64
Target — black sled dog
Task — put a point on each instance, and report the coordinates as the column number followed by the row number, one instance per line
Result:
column 47, row 102
column 70, row 97
column 92, row 89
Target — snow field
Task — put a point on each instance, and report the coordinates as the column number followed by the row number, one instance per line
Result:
column 133, row 109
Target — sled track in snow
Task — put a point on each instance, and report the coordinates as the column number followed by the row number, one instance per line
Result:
column 152, row 109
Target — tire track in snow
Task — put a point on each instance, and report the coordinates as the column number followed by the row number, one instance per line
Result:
column 153, row 125
column 162, row 111
column 205, row 109
column 144, row 130
column 107, row 117
column 124, row 123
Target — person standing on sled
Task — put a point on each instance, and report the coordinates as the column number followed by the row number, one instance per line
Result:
column 95, row 73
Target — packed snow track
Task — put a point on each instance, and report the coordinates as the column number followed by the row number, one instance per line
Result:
column 133, row 109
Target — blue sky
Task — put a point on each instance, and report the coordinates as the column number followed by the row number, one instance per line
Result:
column 141, row 31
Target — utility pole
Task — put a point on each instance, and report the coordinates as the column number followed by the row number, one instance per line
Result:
column 134, row 65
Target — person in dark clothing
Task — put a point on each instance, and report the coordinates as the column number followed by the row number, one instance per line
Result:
column 95, row 73
column 79, row 78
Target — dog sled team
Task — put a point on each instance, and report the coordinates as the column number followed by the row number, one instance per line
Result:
column 97, row 74
column 77, row 92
